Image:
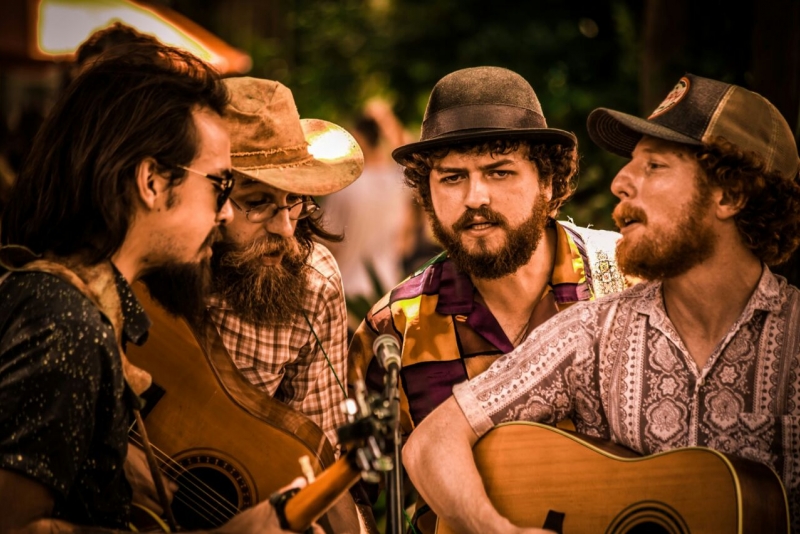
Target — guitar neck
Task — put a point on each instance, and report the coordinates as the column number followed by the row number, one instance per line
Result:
column 315, row 499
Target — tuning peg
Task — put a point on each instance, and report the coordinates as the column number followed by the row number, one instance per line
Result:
column 305, row 467
column 350, row 408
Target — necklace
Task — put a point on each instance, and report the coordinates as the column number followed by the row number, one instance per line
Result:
column 521, row 334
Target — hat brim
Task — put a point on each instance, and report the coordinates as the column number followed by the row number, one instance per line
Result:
column 619, row 133
column 335, row 162
column 549, row 136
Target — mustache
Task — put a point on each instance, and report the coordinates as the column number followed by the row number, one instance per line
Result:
column 626, row 211
column 468, row 217
column 236, row 256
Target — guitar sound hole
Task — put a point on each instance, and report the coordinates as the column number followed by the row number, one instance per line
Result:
column 211, row 491
column 206, row 499
column 648, row 528
column 648, row 517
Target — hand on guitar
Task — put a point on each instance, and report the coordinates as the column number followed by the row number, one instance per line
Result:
column 141, row 480
column 262, row 517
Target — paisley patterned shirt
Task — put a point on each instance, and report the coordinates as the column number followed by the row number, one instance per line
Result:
column 619, row 369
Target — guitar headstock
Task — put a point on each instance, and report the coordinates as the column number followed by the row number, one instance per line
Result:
column 369, row 432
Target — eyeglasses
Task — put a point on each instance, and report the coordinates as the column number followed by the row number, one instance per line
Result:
column 267, row 210
column 225, row 184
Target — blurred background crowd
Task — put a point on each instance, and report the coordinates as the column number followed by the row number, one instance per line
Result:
column 370, row 65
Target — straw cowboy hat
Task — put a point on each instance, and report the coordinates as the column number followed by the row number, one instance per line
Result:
column 271, row 144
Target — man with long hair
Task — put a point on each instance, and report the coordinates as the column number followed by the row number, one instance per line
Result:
column 130, row 174
column 492, row 177
column 704, row 353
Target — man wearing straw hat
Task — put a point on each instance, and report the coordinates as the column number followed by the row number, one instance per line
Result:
column 492, row 176
column 705, row 353
column 277, row 297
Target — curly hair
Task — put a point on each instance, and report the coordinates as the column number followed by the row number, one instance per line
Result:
column 557, row 165
column 769, row 221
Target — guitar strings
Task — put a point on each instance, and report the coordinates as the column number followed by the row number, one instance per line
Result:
column 198, row 496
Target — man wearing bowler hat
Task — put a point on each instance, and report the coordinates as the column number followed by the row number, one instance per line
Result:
column 704, row 353
column 492, row 177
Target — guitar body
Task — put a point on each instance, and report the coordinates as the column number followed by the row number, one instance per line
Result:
column 530, row 470
column 232, row 445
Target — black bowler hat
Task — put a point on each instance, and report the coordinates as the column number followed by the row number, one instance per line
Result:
column 483, row 103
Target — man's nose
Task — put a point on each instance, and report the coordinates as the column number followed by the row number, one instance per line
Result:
column 225, row 214
column 280, row 224
column 478, row 193
column 622, row 186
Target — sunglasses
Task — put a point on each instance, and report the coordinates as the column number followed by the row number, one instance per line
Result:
column 225, row 184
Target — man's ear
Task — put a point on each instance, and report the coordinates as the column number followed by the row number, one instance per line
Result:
column 546, row 188
column 150, row 185
column 727, row 205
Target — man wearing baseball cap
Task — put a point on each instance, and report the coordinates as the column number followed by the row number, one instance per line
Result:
column 704, row 353
column 492, row 176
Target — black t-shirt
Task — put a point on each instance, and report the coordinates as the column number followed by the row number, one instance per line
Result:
column 64, row 404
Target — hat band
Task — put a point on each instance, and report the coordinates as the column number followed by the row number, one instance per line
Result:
column 273, row 158
column 475, row 116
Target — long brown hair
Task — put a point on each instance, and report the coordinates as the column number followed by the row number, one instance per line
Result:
column 75, row 193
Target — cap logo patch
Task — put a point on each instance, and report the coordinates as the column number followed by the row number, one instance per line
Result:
column 674, row 96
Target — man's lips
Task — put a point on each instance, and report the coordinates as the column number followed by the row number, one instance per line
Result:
column 271, row 259
column 477, row 225
column 626, row 217
column 480, row 226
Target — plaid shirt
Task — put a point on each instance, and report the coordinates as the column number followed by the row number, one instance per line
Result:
column 286, row 361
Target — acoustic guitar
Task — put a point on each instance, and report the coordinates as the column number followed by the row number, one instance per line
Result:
column 545, row 477
column 227, row 444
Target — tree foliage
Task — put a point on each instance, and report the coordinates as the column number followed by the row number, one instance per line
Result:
column 577, row 55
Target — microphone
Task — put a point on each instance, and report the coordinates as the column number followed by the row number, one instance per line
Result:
column 387, row 350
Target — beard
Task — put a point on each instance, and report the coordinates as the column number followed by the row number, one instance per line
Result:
column 180, row 287
column 666, row 252
column 259, row 293
column 517, row 250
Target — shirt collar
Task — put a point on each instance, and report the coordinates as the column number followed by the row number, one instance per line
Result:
column 768, row 296
column 568, row 280
column 135, row 322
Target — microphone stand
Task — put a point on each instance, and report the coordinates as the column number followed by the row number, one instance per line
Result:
column 394, row 478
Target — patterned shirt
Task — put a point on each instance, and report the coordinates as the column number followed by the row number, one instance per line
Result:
column 288, row 361
column 64, row 406
column 449, row 335
column 619, row 369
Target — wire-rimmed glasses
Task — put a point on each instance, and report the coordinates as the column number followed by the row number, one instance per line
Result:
column 267, row 210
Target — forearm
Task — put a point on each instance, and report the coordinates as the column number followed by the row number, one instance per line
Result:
column 438, row 458
column 56, row 526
